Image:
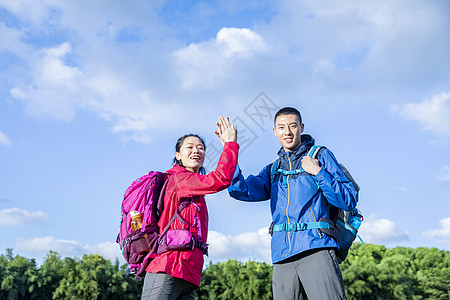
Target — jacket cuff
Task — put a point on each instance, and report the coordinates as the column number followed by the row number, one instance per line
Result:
column 231, row 144
column 320, row 175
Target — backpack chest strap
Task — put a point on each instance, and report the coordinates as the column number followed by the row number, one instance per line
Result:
column 313, row 151
column 292, row 172
column 285, row 174
column 300, row 226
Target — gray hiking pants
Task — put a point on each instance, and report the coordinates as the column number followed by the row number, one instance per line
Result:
column 314, row 275
column 161, row 286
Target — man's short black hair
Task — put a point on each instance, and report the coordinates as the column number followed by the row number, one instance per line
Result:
column 288, row 111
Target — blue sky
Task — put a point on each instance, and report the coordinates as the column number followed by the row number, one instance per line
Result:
column 95, row 94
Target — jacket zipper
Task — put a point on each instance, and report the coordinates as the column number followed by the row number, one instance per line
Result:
column 287, row 207
column 314, row 218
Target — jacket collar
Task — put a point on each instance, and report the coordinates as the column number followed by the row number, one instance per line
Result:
column 177, row 169
column 307, row 142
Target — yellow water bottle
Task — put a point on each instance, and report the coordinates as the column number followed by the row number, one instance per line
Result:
column 136, row 220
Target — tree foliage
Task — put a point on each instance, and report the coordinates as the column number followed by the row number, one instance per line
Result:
column 375, row 272
column 370, row 272
column 92, row 277
column 236, row 280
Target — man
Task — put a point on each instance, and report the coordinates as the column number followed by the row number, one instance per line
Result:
column 304, row 260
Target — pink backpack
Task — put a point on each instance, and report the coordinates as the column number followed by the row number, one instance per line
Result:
column 139, row 247
column 144, row 195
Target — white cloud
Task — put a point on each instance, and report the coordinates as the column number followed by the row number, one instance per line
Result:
column 381, row 231
column 54, row 72
column 443, row 232
column 10, row 39
column 30, row 11
column 402, row 189
column 45, row 244
column 54, row 85
column 433, row 114
column 244, row 246
column 87, row 72
column 108, row 250
column 205, row 64
column 40, row 246
column 57, row 90
column 445, row 174
column 4, row 139
column 241, row 42
column 366, row 38
column 135, row 88
column 17, row 93
column 17, row 217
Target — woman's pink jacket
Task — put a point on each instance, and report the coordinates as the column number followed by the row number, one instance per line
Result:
column 183, row 184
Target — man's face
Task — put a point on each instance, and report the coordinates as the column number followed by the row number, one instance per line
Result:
column 288, row 131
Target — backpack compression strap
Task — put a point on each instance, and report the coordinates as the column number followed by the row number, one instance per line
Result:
column 349, row 228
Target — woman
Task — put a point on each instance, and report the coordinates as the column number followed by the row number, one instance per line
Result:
column 176, row 274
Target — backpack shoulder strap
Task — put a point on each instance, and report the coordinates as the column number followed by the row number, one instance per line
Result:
column 182, row 206
column 159, row 191
column 273, row 169
column 314, row 151
column 160, row 204
column 350, row 177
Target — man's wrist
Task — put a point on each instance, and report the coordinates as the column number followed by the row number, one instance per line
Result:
column 317, row 171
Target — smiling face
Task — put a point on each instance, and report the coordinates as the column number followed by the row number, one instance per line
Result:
column 288, row 130
column 191, row 154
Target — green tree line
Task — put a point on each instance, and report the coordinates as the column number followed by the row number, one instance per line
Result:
column 370, row 272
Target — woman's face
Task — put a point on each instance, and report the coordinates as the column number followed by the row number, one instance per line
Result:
column 192, row 154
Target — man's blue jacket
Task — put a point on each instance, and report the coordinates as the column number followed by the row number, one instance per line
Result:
column 301, row 198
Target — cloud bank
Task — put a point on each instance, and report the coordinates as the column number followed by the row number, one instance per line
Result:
column 244, row 246
column 91, row 65
column 444, row 175
column 442, row 233
column 382, row 231
column 433, row 114
column 19, row 217
column 206, row 64
column 4, row 139
column 40, row 246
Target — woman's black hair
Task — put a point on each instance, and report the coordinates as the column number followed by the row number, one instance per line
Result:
column 178, row 148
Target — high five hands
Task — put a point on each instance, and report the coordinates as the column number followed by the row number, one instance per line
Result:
column 226, row 131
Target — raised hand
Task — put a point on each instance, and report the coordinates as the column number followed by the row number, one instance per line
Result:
column 226, row 131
